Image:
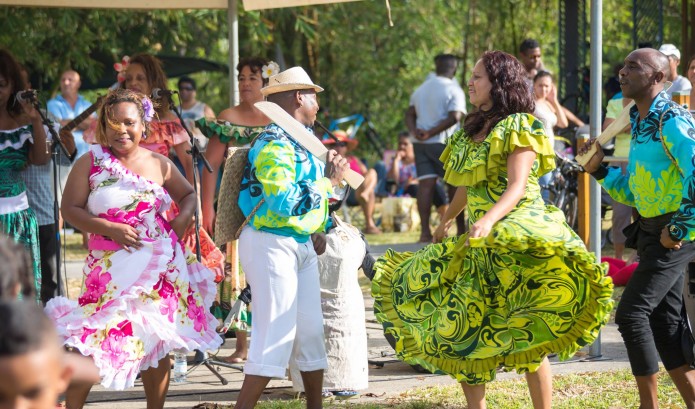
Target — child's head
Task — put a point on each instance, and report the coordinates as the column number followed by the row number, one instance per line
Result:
column 32, row 368
column 16, row 275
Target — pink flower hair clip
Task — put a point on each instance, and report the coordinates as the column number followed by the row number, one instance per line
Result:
column 121, row 67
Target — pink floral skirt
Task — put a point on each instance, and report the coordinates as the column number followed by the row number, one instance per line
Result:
column 138, row 306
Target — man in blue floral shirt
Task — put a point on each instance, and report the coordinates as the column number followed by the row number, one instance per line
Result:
column 661, row 184
column 284, row 193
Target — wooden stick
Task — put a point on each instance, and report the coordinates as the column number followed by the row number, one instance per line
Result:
column 613, row 129
column 609, row 133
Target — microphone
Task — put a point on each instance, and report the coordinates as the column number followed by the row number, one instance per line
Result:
column 161, row 93
column 28, row 95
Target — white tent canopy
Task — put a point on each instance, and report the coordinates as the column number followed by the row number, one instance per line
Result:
column 168, row 4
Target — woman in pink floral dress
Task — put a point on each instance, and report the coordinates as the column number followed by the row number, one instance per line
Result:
column 145, row 295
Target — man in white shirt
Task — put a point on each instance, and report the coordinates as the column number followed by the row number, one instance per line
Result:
column 435, row 111
column 680, row 83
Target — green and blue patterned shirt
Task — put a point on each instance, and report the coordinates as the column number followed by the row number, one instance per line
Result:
column 292, row 182
column 654, row 184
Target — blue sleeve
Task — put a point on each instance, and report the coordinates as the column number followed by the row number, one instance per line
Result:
column 679, row 138
column 618, row 187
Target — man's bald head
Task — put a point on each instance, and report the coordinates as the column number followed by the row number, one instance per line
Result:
column 643, row 74
column 654, row 59
column 70, row 83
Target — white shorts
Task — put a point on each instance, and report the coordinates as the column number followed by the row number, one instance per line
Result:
column 287, row 322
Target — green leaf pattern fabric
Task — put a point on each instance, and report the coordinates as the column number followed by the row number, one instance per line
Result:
column 527, row 290
column 20, row 225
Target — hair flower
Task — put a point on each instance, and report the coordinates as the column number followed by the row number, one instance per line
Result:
column 120, row 67
column 271, row 69
column 148, row 108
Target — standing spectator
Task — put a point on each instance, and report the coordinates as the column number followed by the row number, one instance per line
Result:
column 22, row 141
column 649, row 315
column 680, row 83
column 40, row 192
column 64, row 108
column 192, row 109
column 284, row 194
column 530, row 57
column 435, row 110
column 69, row 104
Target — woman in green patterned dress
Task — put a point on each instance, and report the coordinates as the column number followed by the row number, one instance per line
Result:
column 22, row 141
column 521, row 284
column 237, row 126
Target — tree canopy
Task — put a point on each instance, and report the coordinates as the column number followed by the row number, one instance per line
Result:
column 348, row 48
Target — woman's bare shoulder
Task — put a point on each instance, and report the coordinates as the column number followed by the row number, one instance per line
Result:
column 232, row 114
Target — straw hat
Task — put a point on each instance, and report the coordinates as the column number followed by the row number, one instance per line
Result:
column 290, row 79
column 341, row 136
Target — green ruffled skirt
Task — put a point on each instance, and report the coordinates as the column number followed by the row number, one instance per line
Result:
column 527, row 290
column 22, row 227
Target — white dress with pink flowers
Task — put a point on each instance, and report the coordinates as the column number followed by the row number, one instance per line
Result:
column 136, row 306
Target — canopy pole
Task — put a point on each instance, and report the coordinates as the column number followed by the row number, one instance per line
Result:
column 233, row 25
column 594, row 131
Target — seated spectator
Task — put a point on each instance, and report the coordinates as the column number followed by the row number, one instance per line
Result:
column 402, row 175
column 365, row 195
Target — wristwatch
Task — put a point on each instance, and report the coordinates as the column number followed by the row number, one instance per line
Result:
column 672, row 231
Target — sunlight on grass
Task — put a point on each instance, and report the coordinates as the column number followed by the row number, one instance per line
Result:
column 591, row 390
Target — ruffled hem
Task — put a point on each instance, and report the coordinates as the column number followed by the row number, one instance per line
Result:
column 105, row 159
column 169, row 133
column 157, row 335
column 227, row 131
column 468, row 163
column 16, row 138
column 583, row 332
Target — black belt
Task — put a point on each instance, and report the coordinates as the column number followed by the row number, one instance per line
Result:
column 655, row 224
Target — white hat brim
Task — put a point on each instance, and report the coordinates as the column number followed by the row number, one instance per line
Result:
column 274, row 89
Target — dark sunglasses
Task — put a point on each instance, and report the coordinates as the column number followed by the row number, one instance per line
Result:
column 340, row 144
column 186, row 89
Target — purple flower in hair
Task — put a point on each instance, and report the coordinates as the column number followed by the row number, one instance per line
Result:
column 148, row 108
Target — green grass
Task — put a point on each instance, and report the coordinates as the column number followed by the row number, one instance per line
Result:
column 599, row 390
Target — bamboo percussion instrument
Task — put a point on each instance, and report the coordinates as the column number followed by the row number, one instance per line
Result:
column 613, row 129
column 303, row 136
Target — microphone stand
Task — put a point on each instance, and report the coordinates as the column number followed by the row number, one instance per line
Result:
column 201, row 357
column 196, row 155
column 56, row 215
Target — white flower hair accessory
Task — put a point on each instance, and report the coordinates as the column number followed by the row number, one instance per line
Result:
column 271, row 69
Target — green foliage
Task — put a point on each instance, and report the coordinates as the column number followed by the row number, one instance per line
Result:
column 348, row 48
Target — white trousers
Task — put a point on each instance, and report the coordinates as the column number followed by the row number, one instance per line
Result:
column 287, row 322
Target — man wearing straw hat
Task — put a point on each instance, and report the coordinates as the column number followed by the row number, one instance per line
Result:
column 660, row 183
column 284, row 194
